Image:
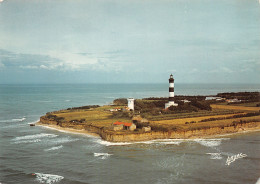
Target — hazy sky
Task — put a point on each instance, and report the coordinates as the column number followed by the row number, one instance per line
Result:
column 89, row 41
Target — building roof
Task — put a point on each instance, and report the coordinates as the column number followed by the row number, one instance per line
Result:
column 123, row 123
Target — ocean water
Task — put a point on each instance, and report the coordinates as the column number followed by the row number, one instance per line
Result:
column 42, row 155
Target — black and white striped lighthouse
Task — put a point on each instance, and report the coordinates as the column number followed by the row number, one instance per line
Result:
column 171, row 93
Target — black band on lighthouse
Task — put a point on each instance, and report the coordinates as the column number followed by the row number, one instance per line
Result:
column 171, row 80
column 171, row 98
column 171, row 89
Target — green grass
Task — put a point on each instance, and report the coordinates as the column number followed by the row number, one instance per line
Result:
column 99, row 117
column 191, row 114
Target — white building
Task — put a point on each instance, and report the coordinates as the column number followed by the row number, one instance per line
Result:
column 214, row 98
column 131, row 103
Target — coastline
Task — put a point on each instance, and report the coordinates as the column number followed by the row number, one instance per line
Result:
column 68, row 130
column 154, row 135
column 198, row 119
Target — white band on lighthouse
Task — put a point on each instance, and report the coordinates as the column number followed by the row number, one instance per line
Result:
column 171, row 94
column 171, row 85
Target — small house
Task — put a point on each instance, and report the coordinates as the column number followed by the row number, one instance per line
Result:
column 185, row 101
column 235, row 100
column 146, row 129
column 143, row 120
column 214, row 98
column 122, row 125
column 137, row 119
column 118, row 127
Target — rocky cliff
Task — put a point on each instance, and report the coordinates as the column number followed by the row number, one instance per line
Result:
column 138, row 136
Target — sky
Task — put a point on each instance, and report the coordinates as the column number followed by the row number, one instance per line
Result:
column 129, row 41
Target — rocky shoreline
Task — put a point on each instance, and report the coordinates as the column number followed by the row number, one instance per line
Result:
column 145, row 136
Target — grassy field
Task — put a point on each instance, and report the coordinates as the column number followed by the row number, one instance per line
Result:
column 99, row 117
column 218, row 123
column 102, row 117
column 214, row 112
column 233, row 107
column 180, row 123
column 251, row 104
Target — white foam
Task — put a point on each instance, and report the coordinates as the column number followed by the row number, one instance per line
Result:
column 168, row 143
column 163, row 141
column 36, row 136
column 62, row 140
column 215, row 156
column 33, row 122
column 27, row 141
column 67, row 100
column 204, row 142
column 14, row 126
column 157, row 141
column 107, row 143
column 54, row 148
column 19, row 120
column 102, row 155
column 67, row 131
column 14, row 120
column 210, row 142
column 48, row 178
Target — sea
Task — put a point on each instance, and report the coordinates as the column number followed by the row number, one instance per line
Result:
column 33, row 155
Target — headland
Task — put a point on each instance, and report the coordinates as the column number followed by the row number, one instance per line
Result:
column 194, row 117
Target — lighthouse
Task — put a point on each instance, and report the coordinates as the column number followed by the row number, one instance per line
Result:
column 171, row 93
column 131, row 103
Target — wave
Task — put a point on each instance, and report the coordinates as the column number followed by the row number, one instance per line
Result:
column 67, row 100
column 14, row 126
column 102, row 155
column 159, row 141
column 163, row 141
column 54, row 148
column 107, row 143
column 62, row 140
column 203, row 142
column 48, row 178
column 210, row 142
column 36, row 136
column 67, row 131
column 33, row 122
column 27, row 141
column 13, row 120
column 215, row 156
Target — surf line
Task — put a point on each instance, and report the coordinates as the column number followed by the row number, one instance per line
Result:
column 233, row 158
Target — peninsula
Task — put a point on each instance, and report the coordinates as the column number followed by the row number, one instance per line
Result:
column 193, row 117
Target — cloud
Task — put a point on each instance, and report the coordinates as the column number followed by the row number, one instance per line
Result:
column 62, row 61
column 72, row 61
column 29, row 67
column 221, row 70
column 250, row 65
column 226, row 70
